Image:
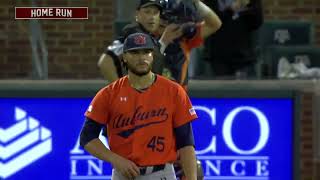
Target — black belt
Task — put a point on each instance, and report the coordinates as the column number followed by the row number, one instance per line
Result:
column 151, row 169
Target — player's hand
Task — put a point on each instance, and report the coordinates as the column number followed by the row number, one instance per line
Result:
column 126, row 167
column 172, row 32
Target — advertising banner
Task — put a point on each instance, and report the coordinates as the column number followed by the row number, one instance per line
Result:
column 236, row 139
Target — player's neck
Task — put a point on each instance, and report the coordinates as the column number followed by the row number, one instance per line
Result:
column 141, row 82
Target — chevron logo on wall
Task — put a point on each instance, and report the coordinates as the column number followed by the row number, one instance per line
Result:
column 22, row 143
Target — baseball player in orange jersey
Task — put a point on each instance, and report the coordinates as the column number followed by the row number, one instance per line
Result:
column 148, row 120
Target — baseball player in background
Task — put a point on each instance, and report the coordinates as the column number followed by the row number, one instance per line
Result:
column 148, row 120
column 146, row 21
column 175, row 39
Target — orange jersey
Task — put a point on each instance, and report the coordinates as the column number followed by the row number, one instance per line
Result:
column 140, row 125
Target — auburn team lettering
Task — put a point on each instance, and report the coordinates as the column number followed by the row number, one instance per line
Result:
column 139, row 114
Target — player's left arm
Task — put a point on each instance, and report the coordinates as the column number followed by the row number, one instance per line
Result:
column 211, row 20
column 185, row 146
column 184, row 114
column 188, row 162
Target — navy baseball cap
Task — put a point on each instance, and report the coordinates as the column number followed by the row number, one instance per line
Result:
column 146, row 3
column 138, row 41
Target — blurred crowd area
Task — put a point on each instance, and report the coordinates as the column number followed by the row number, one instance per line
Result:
column 285, row 45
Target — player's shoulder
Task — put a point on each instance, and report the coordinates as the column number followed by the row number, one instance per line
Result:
column 119, row 83
column 115, row 86
column 169, row 84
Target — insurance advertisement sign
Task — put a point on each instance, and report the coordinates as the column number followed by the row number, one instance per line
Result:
column 236, row 138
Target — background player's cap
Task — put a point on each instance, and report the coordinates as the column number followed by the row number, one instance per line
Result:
column 138, row 41
column 146, row 3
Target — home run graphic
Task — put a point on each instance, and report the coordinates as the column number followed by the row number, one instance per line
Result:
column 22, row 143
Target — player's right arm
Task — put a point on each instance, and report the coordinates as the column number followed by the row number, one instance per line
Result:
column 89, row 139
column 97, row 116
